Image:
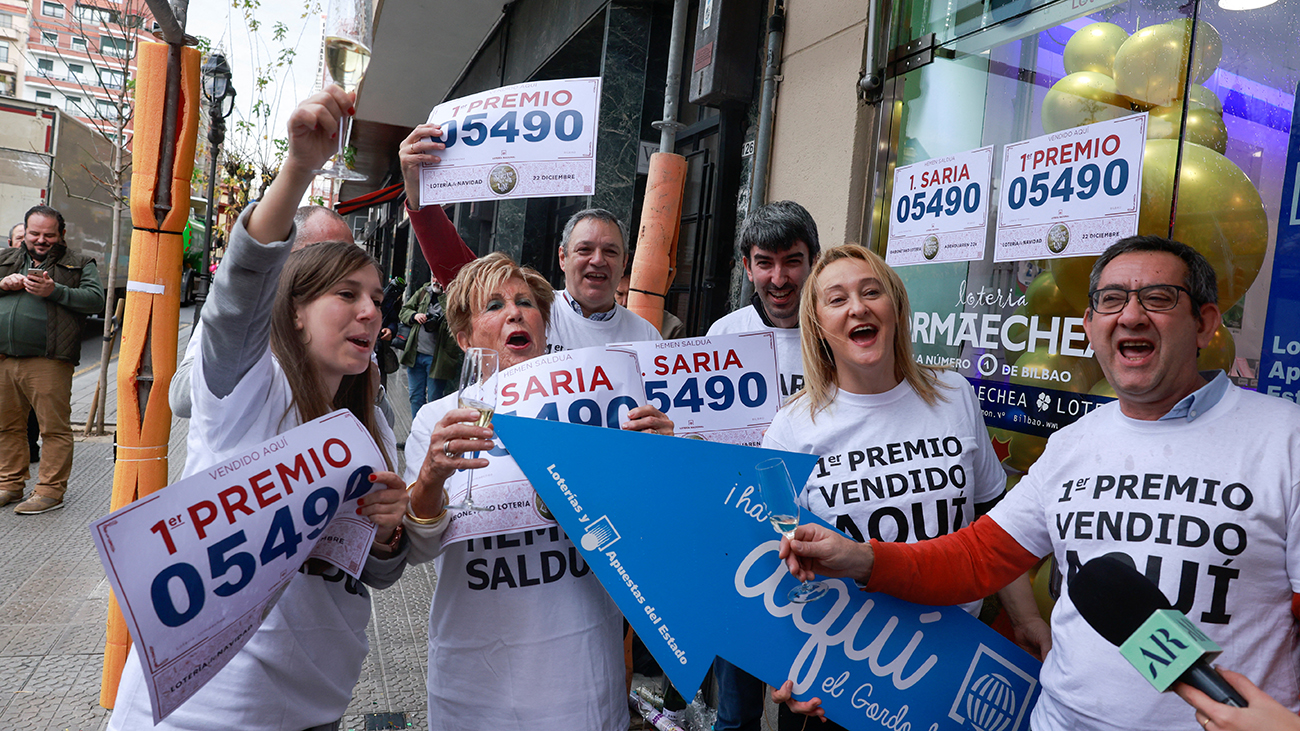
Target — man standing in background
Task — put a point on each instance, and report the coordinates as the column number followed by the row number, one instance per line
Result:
column 46, row 292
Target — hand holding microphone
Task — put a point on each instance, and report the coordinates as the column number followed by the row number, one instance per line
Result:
column 1263, row 714
column 1158, row 640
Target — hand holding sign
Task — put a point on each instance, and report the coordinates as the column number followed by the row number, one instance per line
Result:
column 197, row 567
column 419, row 149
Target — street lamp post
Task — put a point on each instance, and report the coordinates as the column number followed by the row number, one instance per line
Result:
column 221, row 101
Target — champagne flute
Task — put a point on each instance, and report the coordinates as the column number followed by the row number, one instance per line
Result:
column 783, row 511
column 478, row 391
column 347, row 53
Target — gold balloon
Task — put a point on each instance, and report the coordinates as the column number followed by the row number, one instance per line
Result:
column 1220, row 354
column 1082, row 98
column 1220, row 213
column 1060, row 372
column 1151, row 66
column 1209, row 47
column 1022, row 449
column 1072, row 276
column 1044, row 298
column 1093, row 48
column 1103, row 388
column 1205, row 127
column 1202, row 96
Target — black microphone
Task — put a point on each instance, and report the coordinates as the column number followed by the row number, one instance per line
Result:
column 1158, row 640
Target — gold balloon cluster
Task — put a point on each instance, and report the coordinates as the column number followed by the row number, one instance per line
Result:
column 1111, row 74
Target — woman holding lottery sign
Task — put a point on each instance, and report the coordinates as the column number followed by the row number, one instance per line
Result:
column 287, row 338
column 521, row 634
column 904, row 454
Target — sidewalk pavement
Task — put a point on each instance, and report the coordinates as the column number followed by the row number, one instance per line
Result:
column 55, row 597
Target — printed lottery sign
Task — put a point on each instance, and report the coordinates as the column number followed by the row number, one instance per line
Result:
column 940, row 209
column 594, row 386
column 1071, row 193
column 198, row 566
column 530, row 140
column 722, row 388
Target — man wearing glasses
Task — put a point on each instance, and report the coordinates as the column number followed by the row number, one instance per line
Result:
column 1192, row 480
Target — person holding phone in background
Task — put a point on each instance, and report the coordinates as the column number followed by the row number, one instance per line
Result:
column 46, row 292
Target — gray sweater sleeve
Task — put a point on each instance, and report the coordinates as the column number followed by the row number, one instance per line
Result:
column 237, row 314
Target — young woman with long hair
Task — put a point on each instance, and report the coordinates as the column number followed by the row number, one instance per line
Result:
column 287, row 338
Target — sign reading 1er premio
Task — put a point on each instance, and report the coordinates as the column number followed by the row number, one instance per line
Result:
column 1071, row 193
column 940, row 209
column 197, row 567
column 530, row 140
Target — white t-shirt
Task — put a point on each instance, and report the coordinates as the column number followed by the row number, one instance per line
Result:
column 1210, row 509
column 569, row 331
column 522, row 636
column 789, row 357
column 891, row 466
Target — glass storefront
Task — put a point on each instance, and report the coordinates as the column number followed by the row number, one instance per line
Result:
column 1209, row 170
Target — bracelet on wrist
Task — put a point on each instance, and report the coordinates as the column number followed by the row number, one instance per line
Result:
column 425, row 521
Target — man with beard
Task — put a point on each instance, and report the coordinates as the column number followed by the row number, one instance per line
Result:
column 779, row 243
column 46, row 292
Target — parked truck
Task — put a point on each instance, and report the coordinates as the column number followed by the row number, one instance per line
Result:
column 49, row 157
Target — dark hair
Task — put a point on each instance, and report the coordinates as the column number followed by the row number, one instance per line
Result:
column 1201, row 282
column 600, row 214
column 15, row 226
column 43, row 211
column 776, row 227
column 308, row 274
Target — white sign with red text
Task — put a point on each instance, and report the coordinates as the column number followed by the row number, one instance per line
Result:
column 196, row 567
column 722, row 388
column 941, row 209
column 593, row 386
column 1071, row 193
column 531, row 140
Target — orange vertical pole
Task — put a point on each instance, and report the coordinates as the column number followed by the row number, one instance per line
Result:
column 656, row 247
column 152, row 304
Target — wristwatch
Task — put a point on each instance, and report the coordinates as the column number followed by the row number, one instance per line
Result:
column 393, row 543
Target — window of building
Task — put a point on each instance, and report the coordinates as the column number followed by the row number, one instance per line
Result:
column 51, row 39
column 110, row 79
column 76, row 71
column 79, row 44
column 43, row 96
column 4, row 52
column 73, row 105
column 110, row 46
column 52, row 9
column 6, row 20
column 45, row 65
column 96, row 15
column 106, row 110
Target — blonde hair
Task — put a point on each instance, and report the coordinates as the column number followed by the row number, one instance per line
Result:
column 477, row 279
column 308, row 274
column 818, row 358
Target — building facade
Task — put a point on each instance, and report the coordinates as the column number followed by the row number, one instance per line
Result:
column 80, row 56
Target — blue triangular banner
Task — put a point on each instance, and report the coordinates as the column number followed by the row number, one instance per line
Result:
column 677, row 532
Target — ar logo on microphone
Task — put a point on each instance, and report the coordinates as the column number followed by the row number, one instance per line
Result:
column 995, row 694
